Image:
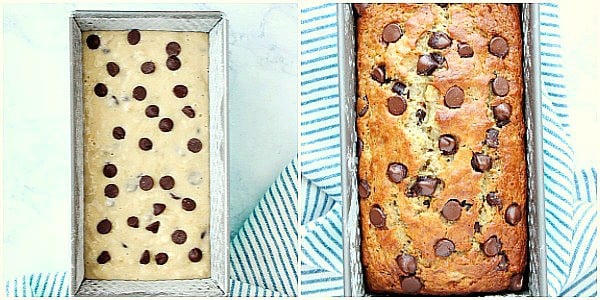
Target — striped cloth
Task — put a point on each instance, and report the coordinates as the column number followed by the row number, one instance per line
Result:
column 264, row 255
column 570, row 191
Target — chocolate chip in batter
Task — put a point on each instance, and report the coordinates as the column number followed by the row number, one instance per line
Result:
column 133, row 37
column 194, row 145
column 454, row 97
column 165, row 125
column 399, row 88
column 502, row 114
column 500, row 86
column 481, row 162
column 444, row 247
column 516, row 283
column 447, row 144
column 364, row 190
column 112, row 68
column 411, row 284
column 391, row 33
column 145, row 258
column 152, row 111
column 146, row 183
column 503, row 263
column 133, row 222
column 173, row 48
column 407, row 263
column 188, row 204
column 426, row 65
column 180, row 91
column 492, row 246
column 93, row 41
column 109, row 170
column 377, row 217
column 439, row 40
column 118, row 133
column 513, row 214
column 424, row 186
column 158, row 208
column 378, row 74
column 491, row 137
column 202, row 234
column 451, row 210
column 100, row 90
column 420, row 114
column 173, row 63
column 396, row 105
column 166, row 182
column 145, row 144
column 363, row 111
column 396, row 172
column 111, row 190
column 465, row 50
column 161, row 258
column 498, row 46
column 104, row 226
column 195, row 255
column 103, row 258
column 178, row 237
column 153, row 227
column 139, row 93
column 148, row 67
column 188, row 111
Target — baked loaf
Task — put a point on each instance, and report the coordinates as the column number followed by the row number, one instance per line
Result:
column 442, row 172
column 146, row 156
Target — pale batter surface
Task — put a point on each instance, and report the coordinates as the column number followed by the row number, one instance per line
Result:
column 159, row 130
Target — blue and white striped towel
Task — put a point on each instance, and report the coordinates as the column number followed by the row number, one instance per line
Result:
column 570, row 191
column 264, row 255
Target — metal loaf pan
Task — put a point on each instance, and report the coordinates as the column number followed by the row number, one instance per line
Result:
column 215, row 24
column 353, row 274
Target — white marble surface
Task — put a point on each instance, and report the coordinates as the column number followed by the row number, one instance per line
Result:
column 36, row 113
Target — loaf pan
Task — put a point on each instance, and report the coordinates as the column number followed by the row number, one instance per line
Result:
column 215, row 24
column 536, row 273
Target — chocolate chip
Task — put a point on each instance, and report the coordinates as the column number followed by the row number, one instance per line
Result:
column 158, row 208
column 103, row 258
column 139, row 93
column 146, row 183
column 492, row 246
column 447, row 144
column 391, row 33
column 104, row 226
column 503, row 263
column 203, row 234
column 407, row 263
column 118, row 133
column 174, row 196
column 498, row 46
column 112, row 69
column 439, row 40
column 109, row 170
column 161, row 258
column 165, row 125
column 377, row 217
column 166, row 182
column 173, row 63
column 451, row 210
column 454, row 97
column 424, row 186
column 365, row 107
column 439, row 58
column 148, row 67
column 464, row 50
column 152, row 111
column 513, row 214
column 133, row 37
column 477, row 227
column 426, row 65
column 173, row 48
column 180, row 91
column 420, row 114
column 491, row 137
column 396, row 105
column 411, row 284
column 178, row 237
column 516, row 283
column 195, row 255
column 399, row 88
column 153, row 227
column 493, row 200
column 359, row 147
column 500, row 86
column 133, row 222
column 188, row 111
column 502, row 114
column 188, row 204
column 466, row 205
column 111, row 191
column 93, row 41
column 194, row 145
column 364, row 190
column 396, row 172
column 100, row 90
column 444, row 247
column 145, row 258
column 145, row 144
column 427, row 203
column 378, row 74
column 481, row 162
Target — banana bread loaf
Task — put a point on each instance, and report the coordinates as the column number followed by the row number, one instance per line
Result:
column 442, row 178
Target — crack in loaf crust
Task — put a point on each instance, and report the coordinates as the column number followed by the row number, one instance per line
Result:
column 442, row 169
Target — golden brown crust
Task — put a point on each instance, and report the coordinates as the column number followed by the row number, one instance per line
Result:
column 411, row 226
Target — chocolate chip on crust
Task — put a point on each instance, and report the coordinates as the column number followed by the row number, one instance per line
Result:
column 492, row 246
column 447, row 144
column 513, row 214
column 378, row 73
column 481, row 162
column 396, row 172
column 498, row 46
column 444, row 247
column 377, row 217
column 452, row 210
column 454, row 97
column 391, row 33
column 411, row 284
column 439, row 40
column 396, row 105
column 364, row 190
column 516, row 283
column 407, row 263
